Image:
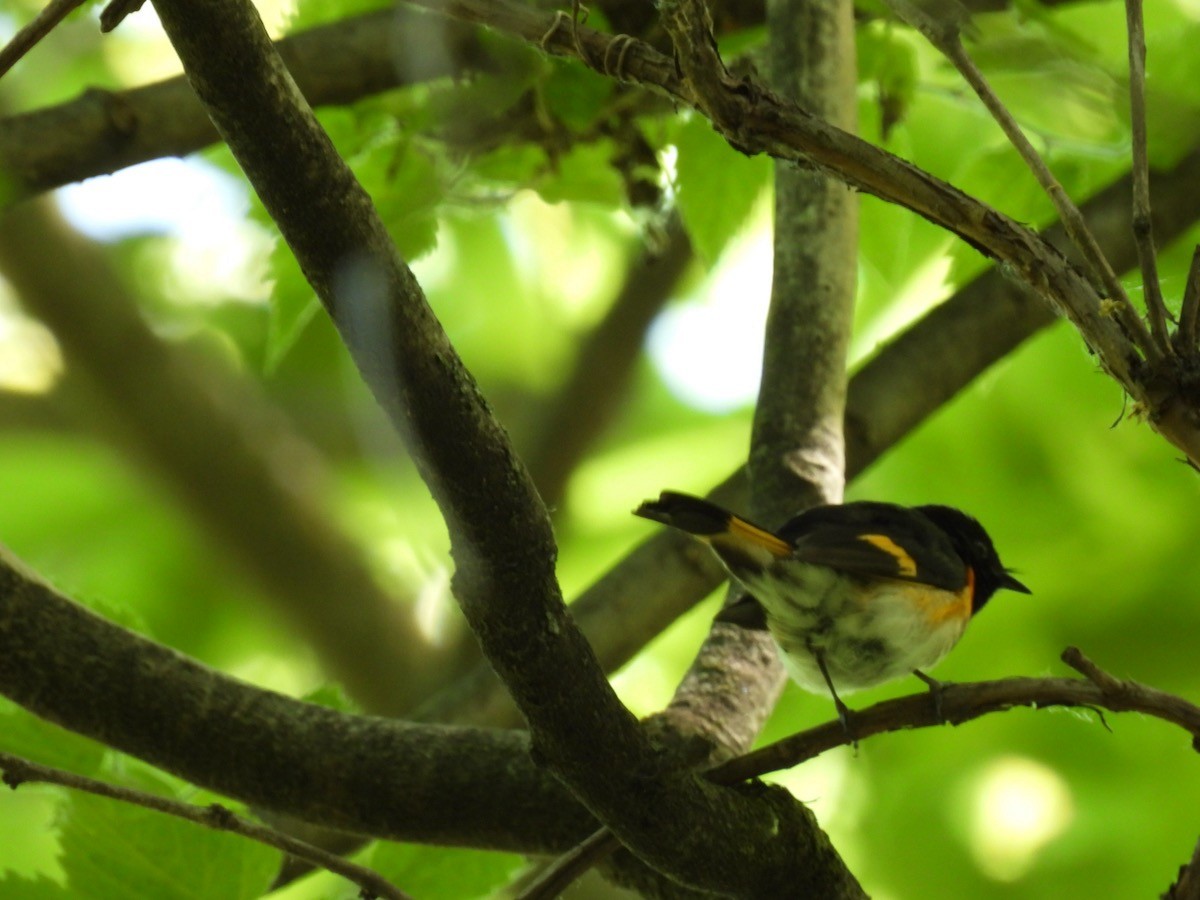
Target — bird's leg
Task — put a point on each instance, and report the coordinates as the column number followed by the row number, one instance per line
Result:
column 935, row 691
column 843, row 710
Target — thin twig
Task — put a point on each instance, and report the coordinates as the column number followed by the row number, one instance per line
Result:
column 559, row 875
column 1189, row 311
column 1075, row 658
column 1143, row 226
column 18, row 771
column 29, row 36
column 947, row 40
column 964, row 702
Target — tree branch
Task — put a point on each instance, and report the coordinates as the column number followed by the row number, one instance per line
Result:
column 368, row 775
column 945, row 37
column 963, row 702
column 102, row 131
column 504, row 576
column 796, row 445
column 797, row 455
column 18, row 771
column 501, row 538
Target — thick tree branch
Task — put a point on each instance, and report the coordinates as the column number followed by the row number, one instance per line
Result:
column 249, row 481
column 369, row 775
column 796, row 446
column 504, row 576
column 18, row 771
column 796, row 455
column 500, row 534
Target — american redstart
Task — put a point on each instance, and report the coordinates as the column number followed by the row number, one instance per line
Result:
column 853, row 594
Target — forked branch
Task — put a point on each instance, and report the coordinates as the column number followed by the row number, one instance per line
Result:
column 945, row 36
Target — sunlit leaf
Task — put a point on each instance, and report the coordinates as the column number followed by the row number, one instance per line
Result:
column 717, row 186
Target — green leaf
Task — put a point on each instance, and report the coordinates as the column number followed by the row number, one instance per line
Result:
column 114, row 851
column 585, row 175
column 575, row 94
column 888, row 60
column 510, row 166
column 293, row 306
column 445, row 873
column 406, row 186
column 717, row 186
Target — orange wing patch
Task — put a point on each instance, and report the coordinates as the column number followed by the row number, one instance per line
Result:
column 776, row 546
column 907, row 565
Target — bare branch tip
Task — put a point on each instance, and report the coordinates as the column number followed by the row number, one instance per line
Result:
column 116, row 12
column 1075, row 658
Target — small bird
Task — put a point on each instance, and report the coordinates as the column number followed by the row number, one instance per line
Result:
column 854, row 594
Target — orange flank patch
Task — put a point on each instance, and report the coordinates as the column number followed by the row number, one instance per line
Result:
column 907, row 565
column 939, row 611
column 776, row 546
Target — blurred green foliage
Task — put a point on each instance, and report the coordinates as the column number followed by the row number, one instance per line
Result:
column 521, row 247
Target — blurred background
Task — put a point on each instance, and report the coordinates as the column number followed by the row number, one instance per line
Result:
column 524, row 226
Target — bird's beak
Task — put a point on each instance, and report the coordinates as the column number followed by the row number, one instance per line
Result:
column 1007, row 581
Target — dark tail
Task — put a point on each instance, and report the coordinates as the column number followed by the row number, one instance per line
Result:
column 740, row 544
column 687, row 513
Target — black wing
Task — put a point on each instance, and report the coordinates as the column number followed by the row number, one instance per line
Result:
column 877, row 540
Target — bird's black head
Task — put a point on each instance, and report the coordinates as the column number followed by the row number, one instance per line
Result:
column 974, row 545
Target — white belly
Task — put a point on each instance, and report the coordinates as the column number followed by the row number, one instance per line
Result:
column 864, row 639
